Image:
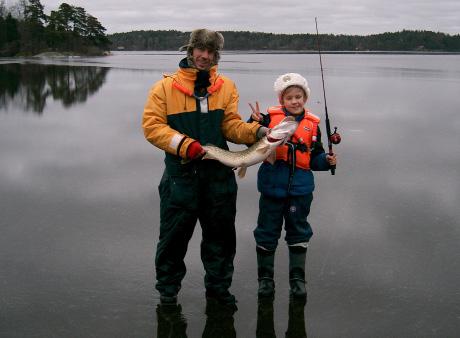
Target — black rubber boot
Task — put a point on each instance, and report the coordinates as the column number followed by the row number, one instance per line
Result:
column 265, row 272
column 224, row 298
column 297, row 257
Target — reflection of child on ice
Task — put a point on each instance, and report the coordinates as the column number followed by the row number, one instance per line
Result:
column 286, row 187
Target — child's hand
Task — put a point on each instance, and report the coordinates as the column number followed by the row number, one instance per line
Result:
column 331, row 159
column 256, row 115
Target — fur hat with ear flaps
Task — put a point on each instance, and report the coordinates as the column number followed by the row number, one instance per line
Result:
column 204, row 39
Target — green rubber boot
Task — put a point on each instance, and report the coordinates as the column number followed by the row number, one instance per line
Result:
column 297, row 257
column 265, row 272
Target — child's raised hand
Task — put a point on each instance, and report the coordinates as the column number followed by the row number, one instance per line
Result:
column 256, row 115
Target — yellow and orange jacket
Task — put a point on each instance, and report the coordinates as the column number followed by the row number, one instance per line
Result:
column 173, row 117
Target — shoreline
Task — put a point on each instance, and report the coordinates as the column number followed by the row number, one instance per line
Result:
column 370, row 52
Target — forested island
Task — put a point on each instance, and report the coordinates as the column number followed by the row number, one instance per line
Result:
column 26, row 30
column 404, row 41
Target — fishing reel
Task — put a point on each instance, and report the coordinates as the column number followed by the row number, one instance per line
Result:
column 335, row 137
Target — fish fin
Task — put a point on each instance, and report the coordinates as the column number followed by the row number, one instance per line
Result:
column 242, row 172
column 271, row 158
column 263, row 149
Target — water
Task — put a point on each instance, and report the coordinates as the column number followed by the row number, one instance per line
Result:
column 79, row 202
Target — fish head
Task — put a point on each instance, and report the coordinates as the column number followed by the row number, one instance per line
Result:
column 283, row 130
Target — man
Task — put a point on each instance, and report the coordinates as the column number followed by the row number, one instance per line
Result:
column 195, row 106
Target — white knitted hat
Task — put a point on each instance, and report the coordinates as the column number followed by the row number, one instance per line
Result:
column 290, row 79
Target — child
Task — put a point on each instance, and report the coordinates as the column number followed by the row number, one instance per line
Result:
column 286, row 187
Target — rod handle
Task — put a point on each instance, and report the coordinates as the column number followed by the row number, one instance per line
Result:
column 332, row 166
column 333, row 169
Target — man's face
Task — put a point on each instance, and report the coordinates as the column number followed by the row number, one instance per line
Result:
column 203, row 58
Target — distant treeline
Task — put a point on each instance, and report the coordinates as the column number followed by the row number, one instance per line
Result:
column 26, row 30
column 405, row 40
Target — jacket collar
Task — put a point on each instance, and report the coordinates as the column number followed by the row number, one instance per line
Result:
column 188, row 74
column 185, row 76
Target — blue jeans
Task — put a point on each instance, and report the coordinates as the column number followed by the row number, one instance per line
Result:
column 293, row 210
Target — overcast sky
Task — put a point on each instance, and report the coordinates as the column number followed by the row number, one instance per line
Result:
column 282, row 16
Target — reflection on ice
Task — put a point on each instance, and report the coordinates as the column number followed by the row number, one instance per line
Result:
column 30, row 85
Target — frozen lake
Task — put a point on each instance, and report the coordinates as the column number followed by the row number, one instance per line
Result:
column 79, row 206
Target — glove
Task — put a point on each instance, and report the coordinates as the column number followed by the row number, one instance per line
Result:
column 195, row 150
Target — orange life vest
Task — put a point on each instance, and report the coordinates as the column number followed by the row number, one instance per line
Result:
column 305, row 134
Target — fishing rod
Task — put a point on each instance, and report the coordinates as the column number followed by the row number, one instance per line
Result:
column 332, row 138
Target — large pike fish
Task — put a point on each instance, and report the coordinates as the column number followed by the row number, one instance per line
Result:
column 264, row 149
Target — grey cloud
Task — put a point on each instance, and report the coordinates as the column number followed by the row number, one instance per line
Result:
column 337, row 17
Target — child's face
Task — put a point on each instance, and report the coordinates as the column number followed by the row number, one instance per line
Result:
column 294, row 100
